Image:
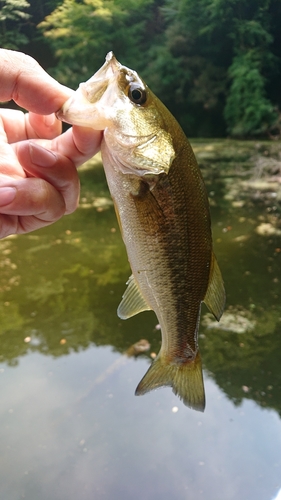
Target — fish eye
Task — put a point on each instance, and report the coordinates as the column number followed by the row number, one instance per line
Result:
column 137, row 94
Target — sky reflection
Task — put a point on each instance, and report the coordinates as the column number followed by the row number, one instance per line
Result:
column 278, row 496
column 63, row 436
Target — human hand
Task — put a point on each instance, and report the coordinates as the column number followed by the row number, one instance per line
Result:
column 38, row 178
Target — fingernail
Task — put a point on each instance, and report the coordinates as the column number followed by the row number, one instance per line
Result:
column 41, row 156
column 7, row 195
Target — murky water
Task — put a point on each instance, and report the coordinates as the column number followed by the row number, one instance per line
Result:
column 71, row 426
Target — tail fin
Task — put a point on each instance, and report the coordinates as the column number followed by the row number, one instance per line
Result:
column 186, row 380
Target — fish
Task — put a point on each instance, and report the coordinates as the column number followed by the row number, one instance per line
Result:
column 162, row 208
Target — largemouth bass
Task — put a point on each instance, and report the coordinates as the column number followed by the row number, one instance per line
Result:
column 163, row 212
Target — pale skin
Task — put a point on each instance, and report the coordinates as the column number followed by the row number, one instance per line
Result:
column 38, row 177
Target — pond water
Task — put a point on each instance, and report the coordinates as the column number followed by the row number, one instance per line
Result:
column 71, row 426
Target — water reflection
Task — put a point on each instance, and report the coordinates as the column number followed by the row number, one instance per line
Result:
column 60, row 288
column 63, row 435
column 278, row 496
column 58, row 444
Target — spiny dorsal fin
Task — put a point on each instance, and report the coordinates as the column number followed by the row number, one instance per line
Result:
column 132, row 301
column 215, row 295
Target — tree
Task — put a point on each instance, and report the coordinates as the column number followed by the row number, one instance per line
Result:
column 248, row 111
column 215, row 63
column 81, row 33
column 12, row 19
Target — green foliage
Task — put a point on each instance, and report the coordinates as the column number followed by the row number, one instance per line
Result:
column 81, row 33
column 196, row 80
column 12, row 18
column 247, row 111
column 222, row 51
column 214, row 63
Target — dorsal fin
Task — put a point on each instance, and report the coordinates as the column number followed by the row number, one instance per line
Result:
column 215, row 295
column 132, row 301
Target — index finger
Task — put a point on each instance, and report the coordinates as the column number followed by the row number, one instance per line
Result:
column 26, row 82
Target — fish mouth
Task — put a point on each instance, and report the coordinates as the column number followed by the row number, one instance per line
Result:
column 95, row 87
column 94, row 102
column 83, row 107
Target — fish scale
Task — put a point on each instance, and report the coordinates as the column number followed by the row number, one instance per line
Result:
column 162, row 208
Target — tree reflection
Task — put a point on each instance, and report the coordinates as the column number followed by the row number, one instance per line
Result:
column 60, row 287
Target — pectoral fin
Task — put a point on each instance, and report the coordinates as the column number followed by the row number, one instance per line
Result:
column 215, row 295
column 132, row 301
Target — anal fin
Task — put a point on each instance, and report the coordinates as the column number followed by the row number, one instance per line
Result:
column 132, row 301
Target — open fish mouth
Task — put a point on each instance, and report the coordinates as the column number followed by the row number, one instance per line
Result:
column 80, row 109
column 95, row 87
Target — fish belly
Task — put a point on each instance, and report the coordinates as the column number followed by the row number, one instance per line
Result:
column 167, row 235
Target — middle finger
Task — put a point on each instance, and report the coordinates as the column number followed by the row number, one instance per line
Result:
column 19, row 126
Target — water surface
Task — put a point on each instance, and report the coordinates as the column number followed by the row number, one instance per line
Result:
column 71, row 426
